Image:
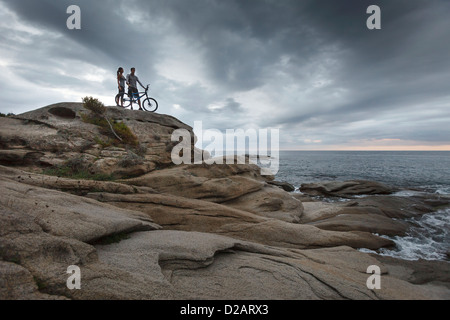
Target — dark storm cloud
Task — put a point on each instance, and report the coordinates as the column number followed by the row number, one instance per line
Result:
column 310, row 67
column 104, row 29
column 242, row 39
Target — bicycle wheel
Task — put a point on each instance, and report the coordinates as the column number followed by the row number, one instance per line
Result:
column 150, row 105
column 126, row 100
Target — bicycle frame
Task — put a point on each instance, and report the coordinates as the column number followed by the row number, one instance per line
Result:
column 136, row 96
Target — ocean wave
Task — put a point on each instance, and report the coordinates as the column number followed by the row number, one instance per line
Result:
column 443, row 191
column 429, row 239
column 436, row 189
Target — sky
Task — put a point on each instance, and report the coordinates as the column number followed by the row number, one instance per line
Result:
column 309, row 68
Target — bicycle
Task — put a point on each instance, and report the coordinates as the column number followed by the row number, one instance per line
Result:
column 149, row 104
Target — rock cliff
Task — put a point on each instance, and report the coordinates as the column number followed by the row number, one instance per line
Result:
column 140, row 227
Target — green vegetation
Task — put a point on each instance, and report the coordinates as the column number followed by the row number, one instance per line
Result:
column 93, row 119
column 119, row 132
column 2, row 115
column 40, row 284
column 94, row 105
column 103, row 144
column 125, row 133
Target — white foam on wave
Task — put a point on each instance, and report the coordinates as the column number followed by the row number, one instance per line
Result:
column 408, row 193
column 443, row 191
column 428, row 240
column 423, row 190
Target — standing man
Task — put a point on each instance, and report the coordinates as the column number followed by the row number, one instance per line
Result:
column 132, row 81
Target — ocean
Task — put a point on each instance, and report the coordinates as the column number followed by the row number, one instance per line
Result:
column 417, row 171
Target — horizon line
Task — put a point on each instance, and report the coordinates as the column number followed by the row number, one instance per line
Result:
column 371, row 150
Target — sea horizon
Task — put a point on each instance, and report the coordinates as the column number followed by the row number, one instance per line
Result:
column 332, row 150
column 426, row 170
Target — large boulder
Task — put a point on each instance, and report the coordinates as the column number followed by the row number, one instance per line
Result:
column 179, row 213
column 375, row 214
column 235, row 185
column 398, row 207
column 17, row 283
column 345, row 188
column 317, row 210
column 286, row 186
column 79, row 187
column 394, row 207
column 50, row 136
column 62, row 214
column 34, row 263
column 372, row 223
column 289, row 235
column 270, row 202
column 188, row 181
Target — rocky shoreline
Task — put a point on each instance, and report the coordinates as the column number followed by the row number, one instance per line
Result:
column 154, row 230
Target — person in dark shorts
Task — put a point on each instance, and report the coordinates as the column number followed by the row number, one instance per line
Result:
column 132, row 81
column 121, row 85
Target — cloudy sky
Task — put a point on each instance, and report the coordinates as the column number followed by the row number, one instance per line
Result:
column 309, row 68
